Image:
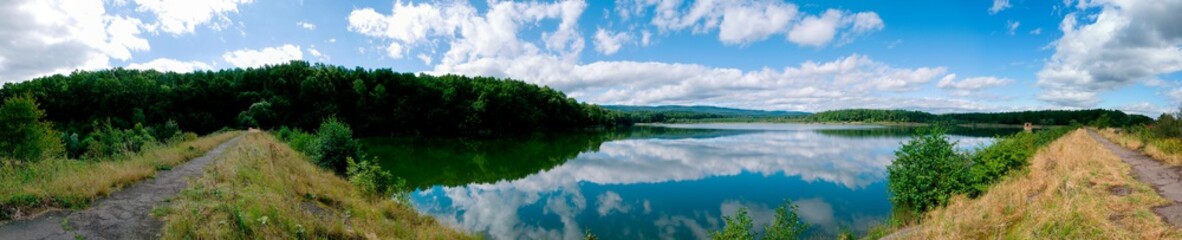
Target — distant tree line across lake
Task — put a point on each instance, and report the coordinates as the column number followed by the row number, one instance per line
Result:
column 667, row 114
column 301, row 95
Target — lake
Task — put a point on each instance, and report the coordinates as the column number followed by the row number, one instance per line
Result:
column 653, row 181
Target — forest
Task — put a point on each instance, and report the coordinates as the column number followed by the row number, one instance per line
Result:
column 375, row 102
column 1098, row 117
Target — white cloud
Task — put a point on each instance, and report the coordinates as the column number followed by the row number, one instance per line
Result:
column 183, row 16
column 306, row 25
column 609, row 43
column 746, row 21
column 971, row 85
column 490, row 44
column 1145, row 108
column 1036, row 31
column 817, row 31
column 999, row 5
column 171, row 65
column 1126, row 42
column 425, row 58
column 57, row 36
column 753, row 22
column 611, row 201
column 645, row 38
column 1012, row 26
column 245, row 58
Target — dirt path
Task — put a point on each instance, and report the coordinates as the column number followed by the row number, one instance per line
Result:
column 122, row 215
column 1166, row 180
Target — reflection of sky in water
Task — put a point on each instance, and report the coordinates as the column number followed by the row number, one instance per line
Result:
column 679, row 188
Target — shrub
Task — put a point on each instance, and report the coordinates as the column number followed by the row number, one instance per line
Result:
column 108, row 141
column 371, row 180
column 787, row 224
column 23, row 136
column 335, row 144
column 170, row 131
column 927, row 171
column 298, row 140
column 737, row 227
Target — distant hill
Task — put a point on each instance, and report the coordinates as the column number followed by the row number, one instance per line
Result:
column 706, row 110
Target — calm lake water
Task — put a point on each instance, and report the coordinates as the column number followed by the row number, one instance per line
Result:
column 653, row 182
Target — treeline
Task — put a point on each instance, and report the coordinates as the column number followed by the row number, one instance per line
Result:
column 301, row 95
column 1097, row 117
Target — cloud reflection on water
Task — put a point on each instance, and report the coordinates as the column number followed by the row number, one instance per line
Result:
column 497, row 208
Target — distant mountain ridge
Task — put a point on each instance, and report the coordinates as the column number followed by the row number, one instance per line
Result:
column 721, row 111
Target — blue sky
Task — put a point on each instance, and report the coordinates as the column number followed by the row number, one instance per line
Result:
column 940, row 56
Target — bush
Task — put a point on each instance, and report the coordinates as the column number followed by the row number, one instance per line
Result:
column 108, row 141
column 23, row 136
column 927, row 171
column 737, row 227
column 335, row 144
column 298, row 140
column 787, row 224
column 1007, row 154
column 371, row 180
column 170, row 131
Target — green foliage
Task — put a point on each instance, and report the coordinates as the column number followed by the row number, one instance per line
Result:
column 787, row 224
column 927, row 171
column 108, row 141
column 335, row 145
column 23, row 136
column 1005, row 155
column 170, row 131
column 871, row 115
column 371, row 180
column 737, row 227
column 298, row 140
column 299, row 94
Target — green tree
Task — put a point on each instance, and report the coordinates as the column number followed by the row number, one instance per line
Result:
column 787, row 224
column 336, row 146
column 23, row 135
column 927, row 171
column 737, row 227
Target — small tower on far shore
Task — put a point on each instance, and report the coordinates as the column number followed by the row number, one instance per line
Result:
column 1028, row 127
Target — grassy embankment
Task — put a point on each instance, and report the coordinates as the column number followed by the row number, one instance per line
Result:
column 1168, row 150
column 263, row 188
column 1066, row 193
column 70, row 183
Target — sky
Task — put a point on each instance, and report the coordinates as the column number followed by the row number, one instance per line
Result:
column 930, row 55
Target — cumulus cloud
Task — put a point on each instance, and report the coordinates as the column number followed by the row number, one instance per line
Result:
column 970, row 85
column 1145, row 108
column 999, row 5
column 183, row 16
column 742, row 22
column 1123, row 43
column 611, row 201
column 245, row 58
column 171, row 65
column 609, row 43
column 817, row 31
column 57, row 36
column 489, row 43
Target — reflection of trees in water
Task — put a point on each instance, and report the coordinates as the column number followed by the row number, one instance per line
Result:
column 426, row 162
column 909, row 131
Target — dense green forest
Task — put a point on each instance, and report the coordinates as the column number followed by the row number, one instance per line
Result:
column 1100, row 117
column 675, row 113
column 299, row 94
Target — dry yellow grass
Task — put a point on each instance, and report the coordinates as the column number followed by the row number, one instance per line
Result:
column 1153, row 150
column 262, row 189
column 1065, row 195
column 69, row 183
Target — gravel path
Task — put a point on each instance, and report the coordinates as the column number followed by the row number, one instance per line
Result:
column 121, row 215
column 1166, row 180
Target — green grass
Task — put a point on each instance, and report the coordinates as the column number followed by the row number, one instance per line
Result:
column 262, row 189
column 68, row 183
